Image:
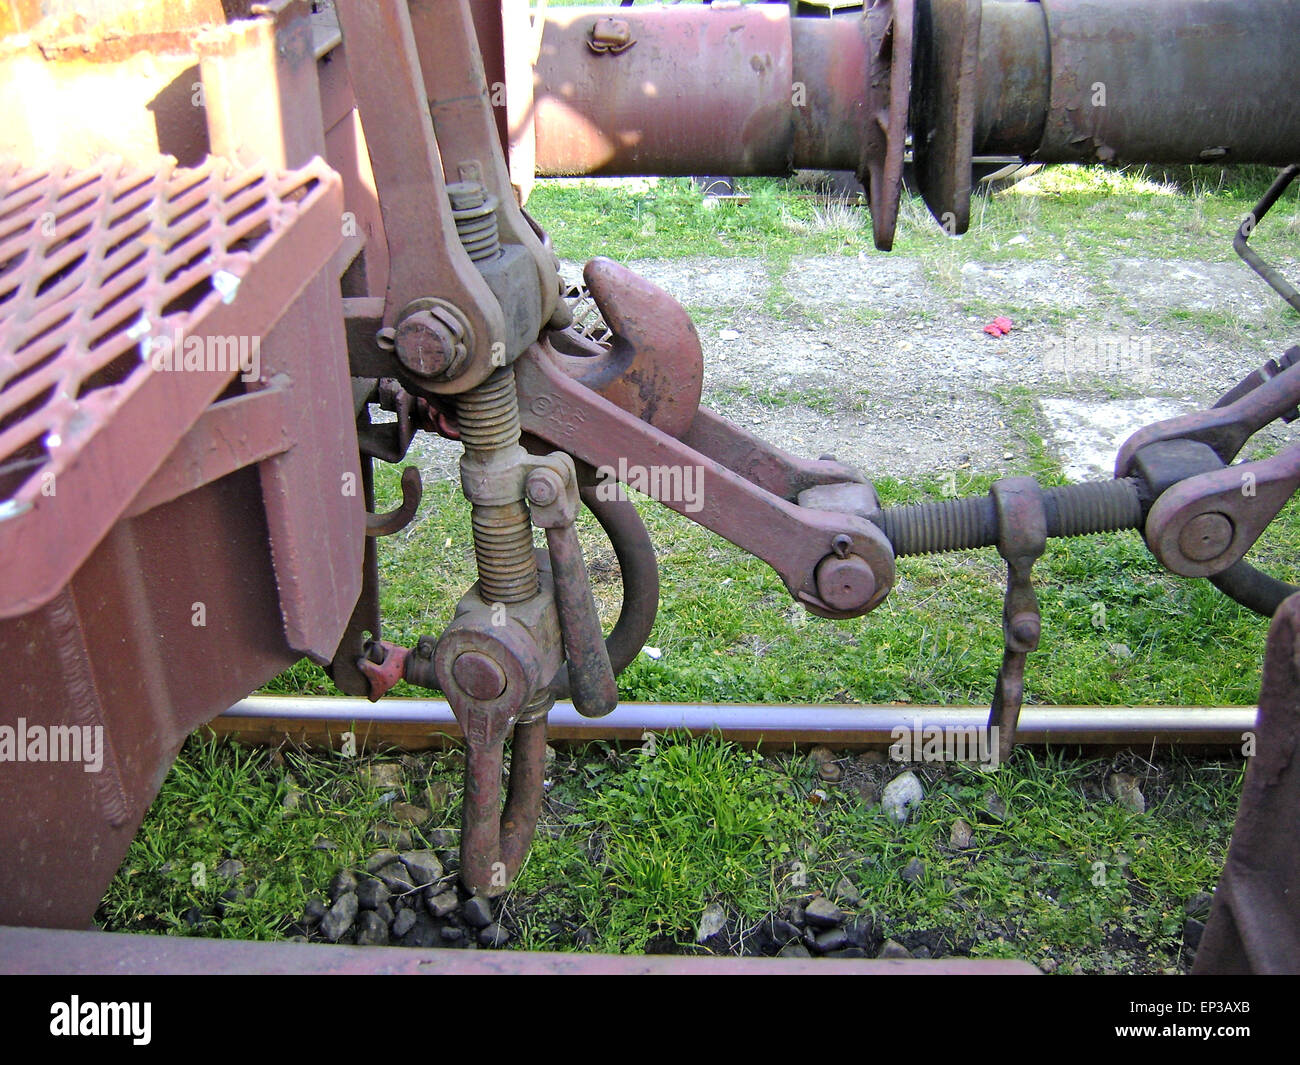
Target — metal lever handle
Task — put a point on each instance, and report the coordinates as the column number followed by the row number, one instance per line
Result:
column 1022, row 538
column 553, row 495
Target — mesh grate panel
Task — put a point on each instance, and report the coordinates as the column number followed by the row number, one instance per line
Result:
column 95, row 264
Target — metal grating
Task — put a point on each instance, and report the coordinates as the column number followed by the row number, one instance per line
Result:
column 102, row 271
column 93, row 265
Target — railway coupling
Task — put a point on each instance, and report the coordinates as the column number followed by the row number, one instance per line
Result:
column 347, row 184
column 818, row 524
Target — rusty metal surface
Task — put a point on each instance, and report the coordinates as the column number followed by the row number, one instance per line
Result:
column 1252, row 589
column 791, row 539
column 111, row 670
column 727, row 90
column 1240, row 244
column 364, row 622
column 1013, row 76
column 890, row 28
column 426, row 258
column 365, row 246
column 1207, row 514
column 943, row 106
column 587, row 663
column 1207, row 523
column 25, row 951
column 832, row 64
column 1225, row 429
column 700, row 91
column 229, row 435
column 1211, row 81
column 495, row 839
column 639, row 575
column 402, row 515
column 1254, row 923
column 459, row 95
column 756, row 460
column 553, row 497
column 1022, row 538
column 96, row 263
column 237, row 64
column 651, row 365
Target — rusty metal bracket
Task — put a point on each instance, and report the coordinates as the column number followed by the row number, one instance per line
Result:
column 610, row 36
column 494, row 662
column 426, row 255
column 1207, row 523
column 652, row 365
column 460, row 104
column 1225, row 429
column 638, row 570
column 1208, row 514
column 1022, row 538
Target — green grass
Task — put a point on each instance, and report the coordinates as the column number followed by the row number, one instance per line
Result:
column 1089, row 215
column 634, row 844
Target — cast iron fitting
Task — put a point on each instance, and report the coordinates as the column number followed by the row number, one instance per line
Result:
column 494, row 840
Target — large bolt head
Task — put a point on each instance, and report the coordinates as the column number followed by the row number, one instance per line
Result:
column 845, row 583
column 478, row 676
column 543, row 488
column 1205, row 537
column 425, row 345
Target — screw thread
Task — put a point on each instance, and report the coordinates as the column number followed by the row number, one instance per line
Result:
column 475, row 215
column 965, row 524
column 488, row 417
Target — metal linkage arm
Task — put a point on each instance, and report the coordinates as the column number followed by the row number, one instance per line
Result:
column 794, row 540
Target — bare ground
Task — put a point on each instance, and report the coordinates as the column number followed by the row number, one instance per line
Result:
column 883, row 361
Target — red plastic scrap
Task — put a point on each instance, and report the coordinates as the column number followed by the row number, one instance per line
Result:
column 1000, row 326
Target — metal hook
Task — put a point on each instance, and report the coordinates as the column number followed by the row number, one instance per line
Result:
column 395, row 520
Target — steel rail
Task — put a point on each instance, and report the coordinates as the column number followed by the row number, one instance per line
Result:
column 421, row 723
column 45, row 951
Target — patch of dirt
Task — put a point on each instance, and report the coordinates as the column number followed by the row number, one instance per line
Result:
column 868, row 359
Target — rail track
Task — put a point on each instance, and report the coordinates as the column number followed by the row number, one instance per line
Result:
column 416, row 724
